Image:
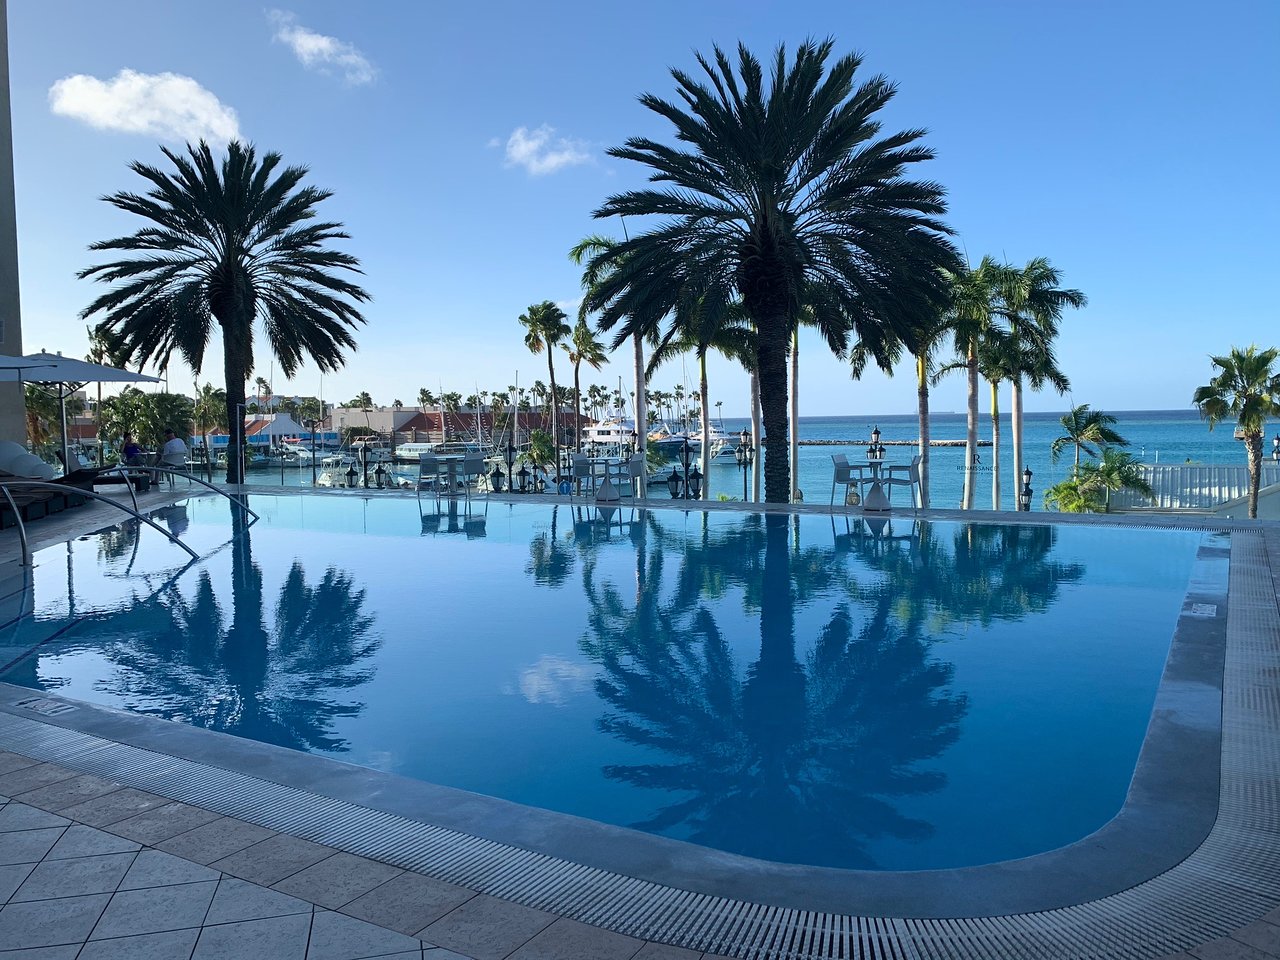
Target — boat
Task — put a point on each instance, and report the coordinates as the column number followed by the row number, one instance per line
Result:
column 611, row 432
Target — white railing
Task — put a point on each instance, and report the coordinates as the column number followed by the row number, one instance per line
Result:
column 1193, row 486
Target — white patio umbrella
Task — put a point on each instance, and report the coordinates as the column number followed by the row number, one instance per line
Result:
column 64, row 376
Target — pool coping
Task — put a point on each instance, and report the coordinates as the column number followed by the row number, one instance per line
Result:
column 1146, row 854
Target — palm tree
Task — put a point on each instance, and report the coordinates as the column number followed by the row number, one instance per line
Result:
column 209, row 413
column 583, row 348
column 104, row 348
column 231, row 244
column 1032, row 304
column 264, row 389
column 786, row 195
column 545, row 326
column 364, row 402
column 1086, row 429
column 1247, row 387
column 425, row 399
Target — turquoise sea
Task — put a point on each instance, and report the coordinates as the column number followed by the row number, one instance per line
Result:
column 1155, row 436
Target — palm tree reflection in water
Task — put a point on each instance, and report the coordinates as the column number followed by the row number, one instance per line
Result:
column 799, row 759
column 183, row 658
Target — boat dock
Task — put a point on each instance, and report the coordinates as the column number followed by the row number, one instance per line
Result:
column 887, row 443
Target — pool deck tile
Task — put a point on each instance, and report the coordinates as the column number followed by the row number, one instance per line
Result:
column 12, row 876
column 168, row 945
column 279, row 938
column 160, row 823
column 67, row 793
column 238, row 900
column 113, row 807
column 155, row 868
column 75, row 877
column 47, row 923
column 1228, row 948
column 665, row 951
column 28, row 846
column 408, row 903
column 570, row 940
column 214, row 840
column 271, row 860
column 29, row 778
column 19, row 816
column 337, row 880
column 155, row 909
column 335, row 936
column 1260, row 935
column 81, row 841
column 487, row 928
column 10, row 762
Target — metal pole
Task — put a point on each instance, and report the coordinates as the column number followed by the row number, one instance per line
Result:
column 22, row 529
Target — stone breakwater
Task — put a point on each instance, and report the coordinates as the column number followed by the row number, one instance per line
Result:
column 886, row 443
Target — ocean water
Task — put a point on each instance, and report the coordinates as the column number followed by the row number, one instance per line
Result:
column 1155, row 436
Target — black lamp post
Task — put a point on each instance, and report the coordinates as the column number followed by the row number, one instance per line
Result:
column 635, row 441
column 1275, row 448
column 744, row 455
column 380, row 476
column 524, row 478
column 511, row 459
column 364, row 464
column 496, row 478
column 874, row 450
column 351, row 476
column 1024, row 497
column 690, row 486
column 312, row 425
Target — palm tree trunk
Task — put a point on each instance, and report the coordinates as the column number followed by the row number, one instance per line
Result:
column 922, row 407
column 1253, row 449
column 995, row 445
column 756, row 434
column 555, row 417
column 771, row 359
column 1015, row 429
column 642, row 403
column 704, row 402
column 793, row 448
column 233, row 365
column 577, row 409
column 971, row 429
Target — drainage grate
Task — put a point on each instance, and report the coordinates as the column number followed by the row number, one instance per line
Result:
column 1232, row 879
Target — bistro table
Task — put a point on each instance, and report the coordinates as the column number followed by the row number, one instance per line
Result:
column 609, row 469
column 451, row 462
column 875, row 499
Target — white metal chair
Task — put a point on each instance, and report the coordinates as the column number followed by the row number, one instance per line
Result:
column 174, row 461
column 471, row 468
column 581, row 471
column 429, row 474
column 846, row 474
column 636, row 470
column 903, row 476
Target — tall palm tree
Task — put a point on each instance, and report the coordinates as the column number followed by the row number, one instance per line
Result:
column 230, row 243
column 583, row 347
column 1032, row 304
column 104, row 348
column 972, row 317
column 545, row 326
column 786, row 194
column 209, row 413
column 1086, row 430
column 425, row 399
column 1247, row 387
column 364, row 402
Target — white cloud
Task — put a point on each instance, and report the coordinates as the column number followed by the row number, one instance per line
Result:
column 541, row 152
column 318, row 52
column 168, row 106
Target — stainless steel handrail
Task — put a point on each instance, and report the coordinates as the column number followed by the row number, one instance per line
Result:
column 63, row 488
column 218, row 490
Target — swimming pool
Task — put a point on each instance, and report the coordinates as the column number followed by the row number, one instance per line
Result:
column 803, row 689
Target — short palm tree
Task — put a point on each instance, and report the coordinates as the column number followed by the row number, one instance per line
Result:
column 583, row 347
column 785, row 192
column 230, row 243
column 1089, row 489
column 1246, row 387
column 1087, row 430
column 545, row 326
column 104, row 348
column 209, row 413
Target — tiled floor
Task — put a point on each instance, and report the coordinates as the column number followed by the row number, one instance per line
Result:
column 90, row 870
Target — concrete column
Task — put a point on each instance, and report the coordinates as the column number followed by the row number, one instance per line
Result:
column 13, row 416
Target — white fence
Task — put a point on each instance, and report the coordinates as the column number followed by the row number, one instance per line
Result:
column 1193, row 486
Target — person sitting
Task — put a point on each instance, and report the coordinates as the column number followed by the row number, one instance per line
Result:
column 174, row 451
column 130, row 452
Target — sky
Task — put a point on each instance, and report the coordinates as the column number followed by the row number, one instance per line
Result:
column 465, row 148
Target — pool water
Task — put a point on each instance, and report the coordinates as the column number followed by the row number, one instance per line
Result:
column 804, row 689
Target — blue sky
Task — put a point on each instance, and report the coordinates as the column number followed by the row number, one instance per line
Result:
column 465, row 147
